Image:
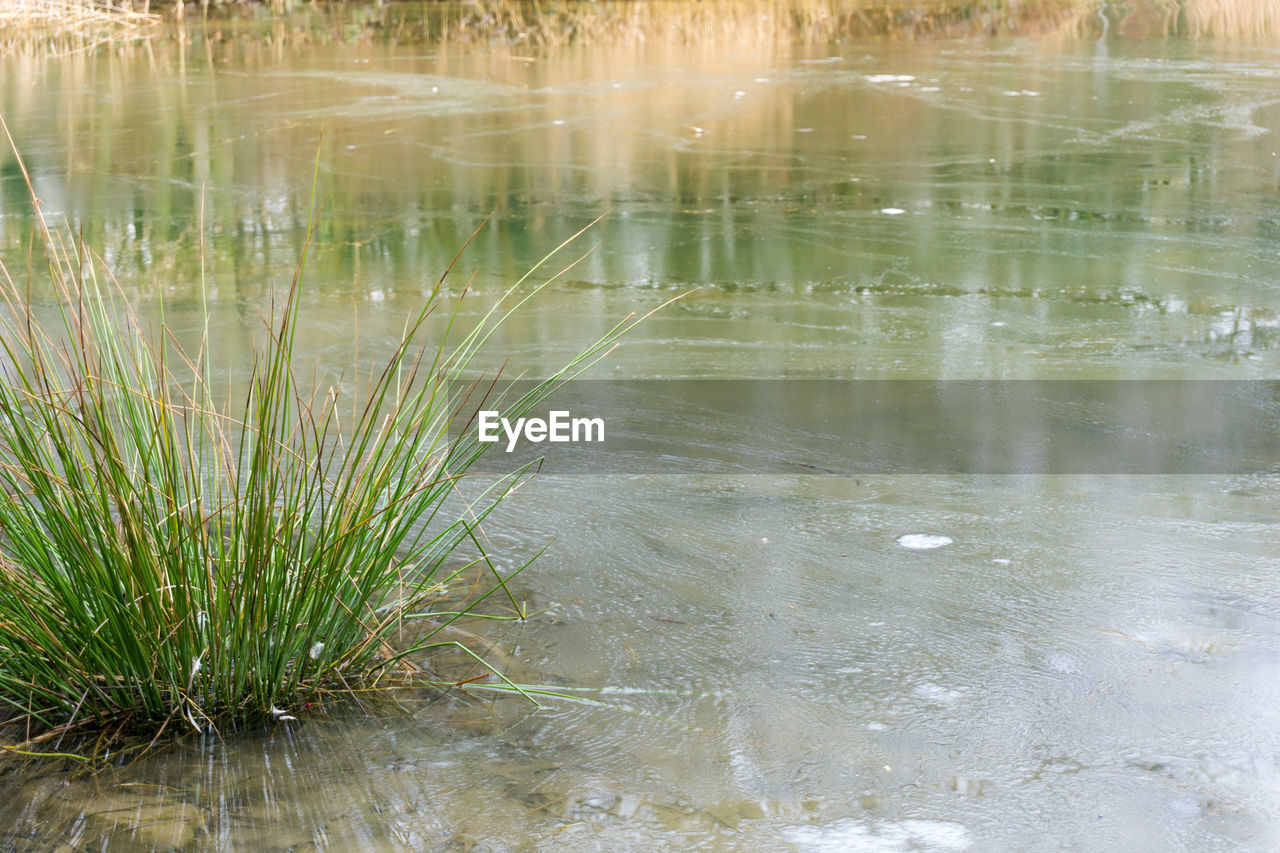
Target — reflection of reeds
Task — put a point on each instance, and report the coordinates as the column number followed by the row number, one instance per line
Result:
column 1194, row 18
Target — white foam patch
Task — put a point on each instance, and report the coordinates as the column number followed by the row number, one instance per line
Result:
column 892, row 211
column 937, row 694
column 849, row 835
column 923, row 541
column 889, row 78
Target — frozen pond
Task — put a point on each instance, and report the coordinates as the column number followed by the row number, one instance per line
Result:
column 808, row 661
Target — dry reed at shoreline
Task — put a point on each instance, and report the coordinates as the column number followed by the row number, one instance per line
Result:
column 86, row 23
column 558, row 24
column 73, row 16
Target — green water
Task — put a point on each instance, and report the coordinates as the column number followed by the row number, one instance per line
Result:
column 1090, row 664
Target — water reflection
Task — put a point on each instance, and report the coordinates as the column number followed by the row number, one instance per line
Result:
column 1036, row 189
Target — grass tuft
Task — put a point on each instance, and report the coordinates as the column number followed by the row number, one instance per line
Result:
column 164, row 559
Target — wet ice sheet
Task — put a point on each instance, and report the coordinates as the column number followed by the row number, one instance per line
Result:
column 792, row 673
column 1097, row 656
column 836, row 220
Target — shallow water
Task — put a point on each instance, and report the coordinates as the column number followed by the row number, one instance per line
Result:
column 1088, row 662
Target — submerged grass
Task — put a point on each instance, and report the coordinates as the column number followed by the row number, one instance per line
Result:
column 164, row 559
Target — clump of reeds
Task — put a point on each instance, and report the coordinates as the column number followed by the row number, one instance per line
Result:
column 72, row 24
column 1248, row 18
column 752, row 21
column 166, row 559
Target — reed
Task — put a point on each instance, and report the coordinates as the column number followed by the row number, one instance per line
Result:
column 752, row 21
column 56, row 26
column 1233, row 18
column 44, row 26
column 165, row 558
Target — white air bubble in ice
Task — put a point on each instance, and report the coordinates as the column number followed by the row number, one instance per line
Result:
column 923, row 541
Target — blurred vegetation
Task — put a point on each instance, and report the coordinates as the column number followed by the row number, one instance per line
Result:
column 79, row 24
